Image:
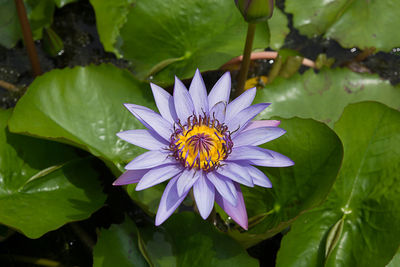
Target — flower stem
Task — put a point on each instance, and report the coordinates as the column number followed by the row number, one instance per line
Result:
column 244, row 69
column 28, row 39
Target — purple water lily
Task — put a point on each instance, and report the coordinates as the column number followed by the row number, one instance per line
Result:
column 202, row 142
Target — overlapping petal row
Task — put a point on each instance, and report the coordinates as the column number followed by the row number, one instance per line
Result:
column 202, row 142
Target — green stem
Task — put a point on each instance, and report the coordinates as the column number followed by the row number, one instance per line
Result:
column 28, row 39
column 244, row 69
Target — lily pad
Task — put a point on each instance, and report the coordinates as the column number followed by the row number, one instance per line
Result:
column 278, row 25
column 358, row 223
column 36, row 173
column 323, row 96
column 118, row 246
column 317, row 153
column 352, row 23
column 187, row 240
column 110, row 17
column 83, row 106
column 166, row 38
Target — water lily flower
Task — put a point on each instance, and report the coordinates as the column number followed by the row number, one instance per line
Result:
column 202, row 142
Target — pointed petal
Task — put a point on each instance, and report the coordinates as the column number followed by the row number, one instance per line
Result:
column 241, row 102
column 221, row 90
column 243, row 117
column 275, row 160
column 218, row 111
column 183, row 101
column 257, row 136
column 249, row 153
column 236, row 173
column 186, row 181
column 204, row 193
column 263, row 123
column 130, row 177
column 164, row 102
column 143, row 138
column 158, row 175
column 198, row 92
column 150, row 159
column 151, row 120
column 259, row 178
column 237, row 213
column 221, row 184
column 169, row 201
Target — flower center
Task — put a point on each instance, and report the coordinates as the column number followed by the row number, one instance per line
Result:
column 201, row 143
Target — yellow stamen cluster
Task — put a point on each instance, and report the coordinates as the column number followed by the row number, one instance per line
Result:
column 202, row 143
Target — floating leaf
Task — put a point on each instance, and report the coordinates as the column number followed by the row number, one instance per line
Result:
column 365, row 196
column 37, row 173
column 83, row 106
column 181, row 36
column 351, row 23
column 317, row 153
column 278, row 25
column 323, row 96
column 187, row 240
column 118, row 246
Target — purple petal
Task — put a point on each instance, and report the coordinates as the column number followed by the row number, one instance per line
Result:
column 164, row 102
column 249, row 153
column 169, row 201
column 150, row 159
column 263, row 123
column 218, row 111
column 130, row 177
column 241, row 102
column 151, row 120
column 221, row 184
column 236, row 173
column 259, row 178
column 204, row 193
column 182, row 100
column 198, row 92
column 186, row 181
column 257, row 136
column 220, row 91
column 244, row 116
column 158, row 175
column 237, row 213
column 143, row 138
column 276, row 160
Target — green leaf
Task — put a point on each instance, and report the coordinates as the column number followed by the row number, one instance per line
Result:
column 395, row 261
column 323, row 96
column 40, row 15
column 83, row 106
column 118, row 246
column 110, row 17
column 42, row 184
column 317, row 153
column 61, row 3
column 187, row 240
column 279, row 29
column 181, row 36
column 365, row 196
column 10, row 30
column 351, row 23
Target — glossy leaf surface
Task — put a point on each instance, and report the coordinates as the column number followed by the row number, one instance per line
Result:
column 365, row 196
column 357, row 23
column 83, row 106
column 323, row 96
column 43, row 184
column 317, row 153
